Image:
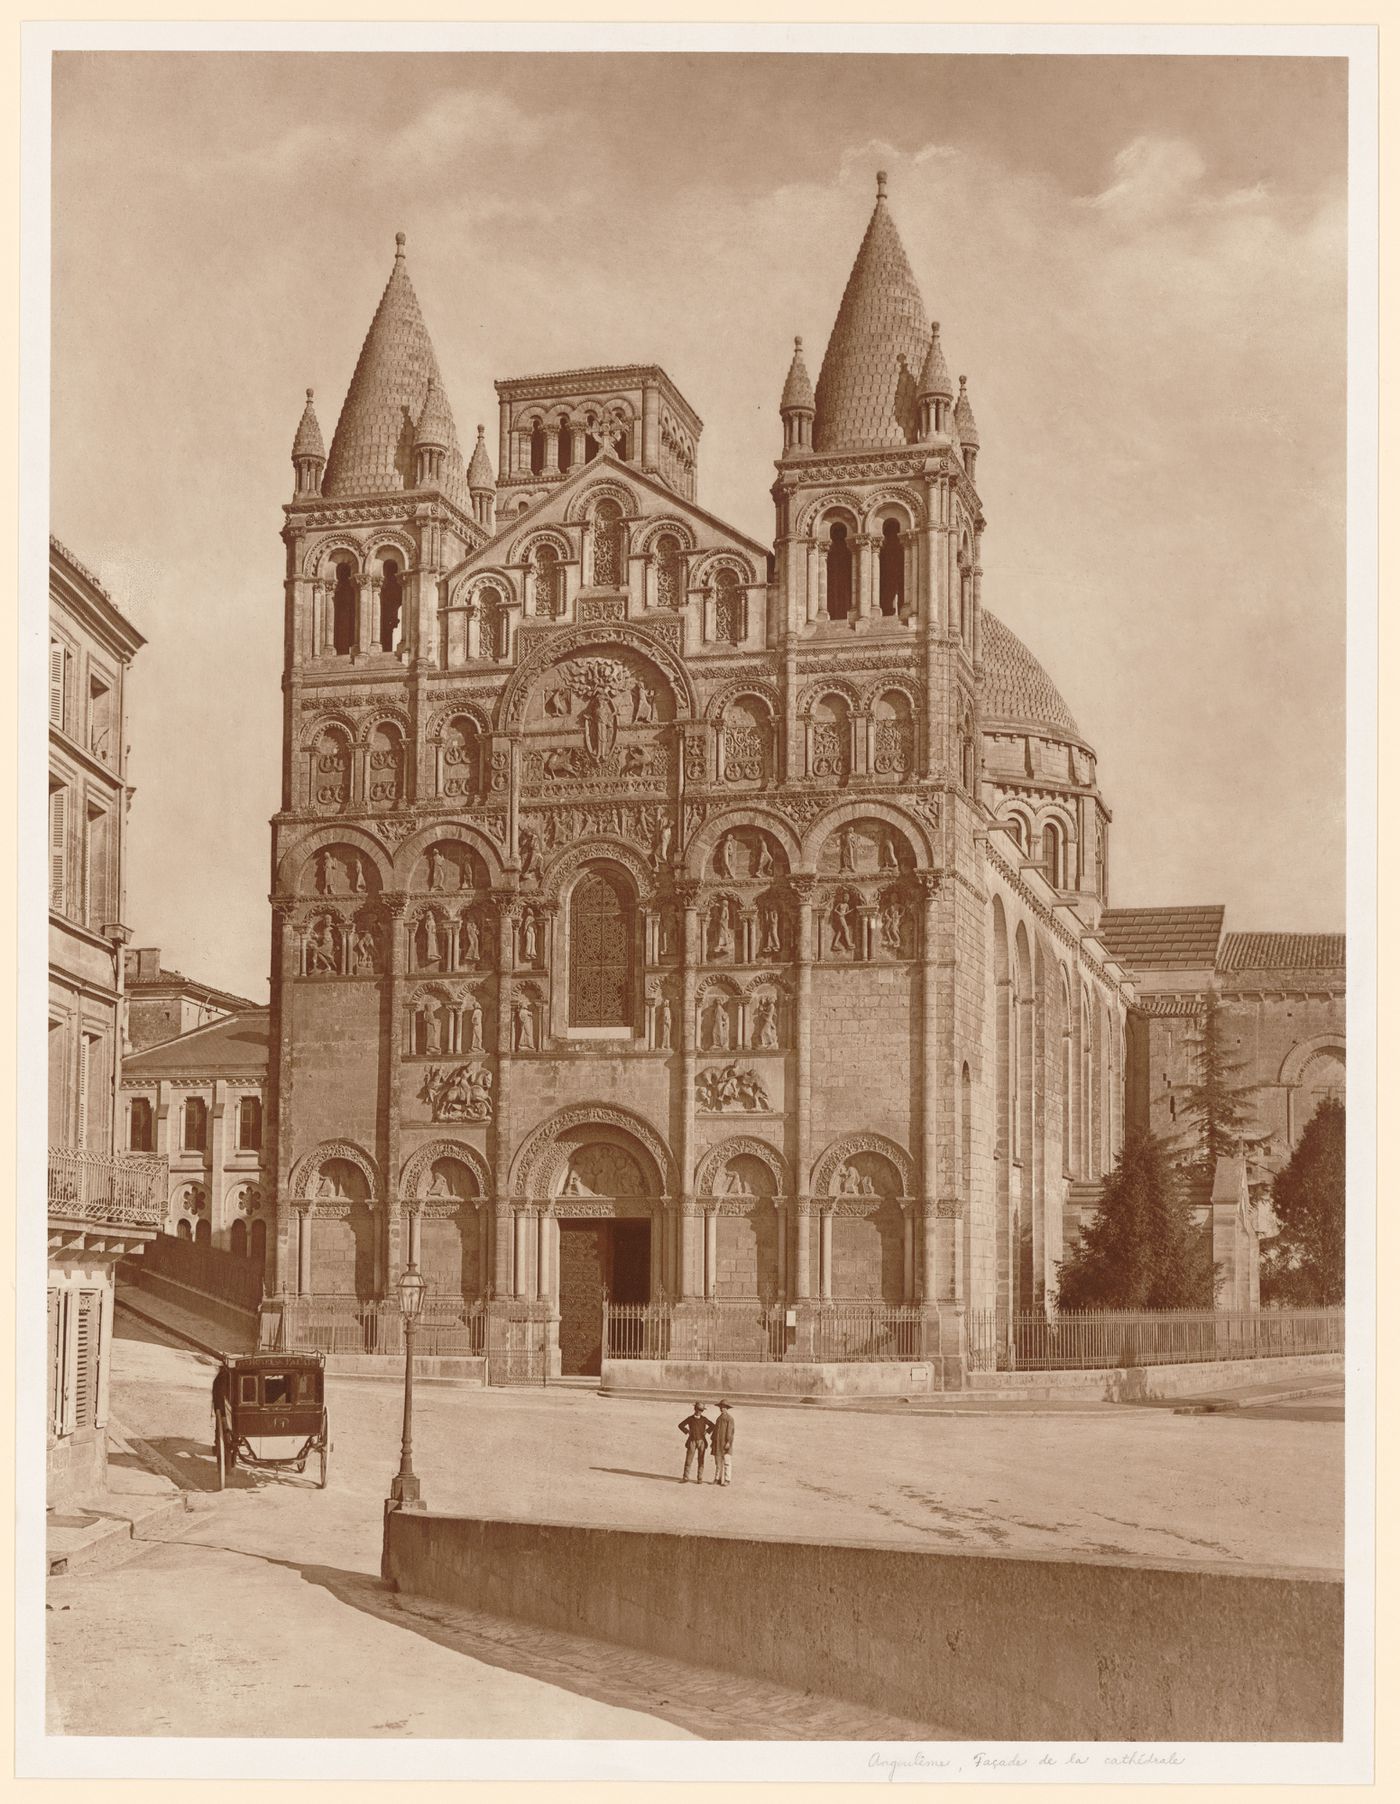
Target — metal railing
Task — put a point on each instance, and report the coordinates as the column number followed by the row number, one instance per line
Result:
column 733, row 1329
column 1089, row 1339
column 447, row 1326
column 847, row 1332
column 124, row 1188
column 209, row 1270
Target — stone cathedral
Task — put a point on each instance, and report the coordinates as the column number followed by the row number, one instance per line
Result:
column 664, row 914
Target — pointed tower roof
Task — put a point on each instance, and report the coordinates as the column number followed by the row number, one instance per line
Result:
column 435, row 421
column 935, row 380
column 308, row 441
column 860, row 399
column 479, row 472
column 797, row 390
column 373, row 445
column 962, row 413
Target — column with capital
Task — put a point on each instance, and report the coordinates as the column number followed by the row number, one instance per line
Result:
column 366, row 616
column 823, row 547
column 507, row 905
column 804, row 888
column 932, row 1258
column 393, row 952
column 688, row 896
column 711, row 1248
column 827, row 1213
column 304, row 1212
column 277, row 1150
column 909, row 1273
column 862, row 561
column 551, row 451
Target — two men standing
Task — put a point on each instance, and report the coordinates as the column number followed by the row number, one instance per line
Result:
column 701, row 1434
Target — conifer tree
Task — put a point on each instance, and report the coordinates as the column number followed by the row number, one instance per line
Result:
column 1143, row 1250
column 1306, row 1265
column 1215, row 1105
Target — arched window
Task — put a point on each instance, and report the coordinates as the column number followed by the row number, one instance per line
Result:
column 838, row 573
column 196, row 1124
column 967, row 755
column 668, row 571
column 258, row 1250
column 547, row 585
column 965, row 602
column 607, row 545
column 566, row 442
column 390, row 606
column 250, row 1124
column 492, row 621
column 536, row 448
column 343, row 611
column 183, row 1228
column 238, row 1239
column 141, row 1133
column 729, row 607
column 203, row 1233
column 1018, row 829
column 1052, row 854
column 600, row 954
column 891, row 568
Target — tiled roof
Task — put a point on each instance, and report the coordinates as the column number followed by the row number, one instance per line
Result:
column 238, row 1043
column 864, row 395
column 190, row 986
column 308, row 441
column 373, row 445
column 1283, row 952
column 1164, row 939
column 962, row 417
column 797, row 390
column 435, row 421
column 935, row 379
column 1015, row 687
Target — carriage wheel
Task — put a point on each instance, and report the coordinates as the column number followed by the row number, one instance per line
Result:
column 325, row 1463
column 220, row 1454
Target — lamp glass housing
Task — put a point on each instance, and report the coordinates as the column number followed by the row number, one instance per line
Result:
column 411, row 1288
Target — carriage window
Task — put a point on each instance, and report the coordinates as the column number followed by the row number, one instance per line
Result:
column 306, row 1387
column 248, row 1389
column 277, row 1388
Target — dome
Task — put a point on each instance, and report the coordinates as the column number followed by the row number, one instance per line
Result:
column 864, row 396
column 1016, row 691
column 372, row 449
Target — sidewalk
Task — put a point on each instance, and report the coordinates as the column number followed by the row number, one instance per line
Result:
column 140, row 1500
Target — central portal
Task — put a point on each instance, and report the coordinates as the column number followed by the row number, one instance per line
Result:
column 594, row 1256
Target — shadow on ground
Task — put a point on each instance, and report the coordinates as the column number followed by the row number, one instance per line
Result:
column 190, row 1464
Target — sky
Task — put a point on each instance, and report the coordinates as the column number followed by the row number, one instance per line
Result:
column 1139, row 263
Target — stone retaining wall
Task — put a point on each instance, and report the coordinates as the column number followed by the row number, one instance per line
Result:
column 1005, row 1646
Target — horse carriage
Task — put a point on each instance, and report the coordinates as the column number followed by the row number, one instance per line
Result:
column 270, row 1413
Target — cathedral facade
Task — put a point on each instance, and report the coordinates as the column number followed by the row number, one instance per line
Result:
column 664, row 913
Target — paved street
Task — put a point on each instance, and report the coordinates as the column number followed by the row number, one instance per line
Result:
column 263, row 1611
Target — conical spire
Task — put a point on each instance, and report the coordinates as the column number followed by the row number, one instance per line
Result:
column 797, row 390
column 962, row 413
column 435, row 421
column 862, row 398
column 308, row 441
column 935, row 382
column 373, row 445
column 479, row 472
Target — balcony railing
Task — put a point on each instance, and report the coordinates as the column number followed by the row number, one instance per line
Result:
column 126, row 1189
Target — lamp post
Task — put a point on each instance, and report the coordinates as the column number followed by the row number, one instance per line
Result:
column 405, row 1492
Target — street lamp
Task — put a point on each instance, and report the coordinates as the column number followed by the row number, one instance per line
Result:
column 405, row 1493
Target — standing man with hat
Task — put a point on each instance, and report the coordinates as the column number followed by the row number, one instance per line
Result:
column 696, row 1428
column 722, row 1442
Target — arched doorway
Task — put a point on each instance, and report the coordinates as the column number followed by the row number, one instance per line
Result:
column 604, row 1191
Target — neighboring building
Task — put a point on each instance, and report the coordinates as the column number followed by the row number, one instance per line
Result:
column 100, row 1204
column 1284, row 997
column 161, row 1004
column 661, row 913
column 199, row 1101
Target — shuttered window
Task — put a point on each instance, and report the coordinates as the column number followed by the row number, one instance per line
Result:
column 58, row 682
column 58, row 848
column 57, row 1315
column 86, row 1346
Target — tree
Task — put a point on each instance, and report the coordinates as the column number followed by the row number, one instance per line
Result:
column 1215, row 1105
column 1143, row 1250
column 1307, row 1263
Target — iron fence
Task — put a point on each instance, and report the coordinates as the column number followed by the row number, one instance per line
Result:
column 447, row 1326
column 225, row 1276
column 519, row 1343
column 736, row 1330
column 851, row 1332
column 1088, row 1339
column 124, row 1188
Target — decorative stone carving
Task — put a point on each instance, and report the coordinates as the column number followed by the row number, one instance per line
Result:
column 722, row 1089
column 458, row 1092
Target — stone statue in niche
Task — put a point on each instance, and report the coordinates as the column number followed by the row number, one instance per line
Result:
column 524, row 1017
column 364, row 961
column 430, row 943
column 558, row 701
column 841, row 926
column 851, row 1182
column 320, row 950
column 634, row 761
column 721, row 933
column 441, row 1185
column 764, row 866
column 889, row 857
column 476, row 1041
column 728, row 855
column 722, row 1088
column 529, row 854
column 661, row 849
column 735, row 1183
column 770, row 928
column 431, row 1012
column 530, row 938
column 892, row 921
column 846, row 850
column 664, row 1025
column 458, row 1092
column 765, row 1027
column 643, row 704
column 469, row 940
column 599, row 724
column 435, row 869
